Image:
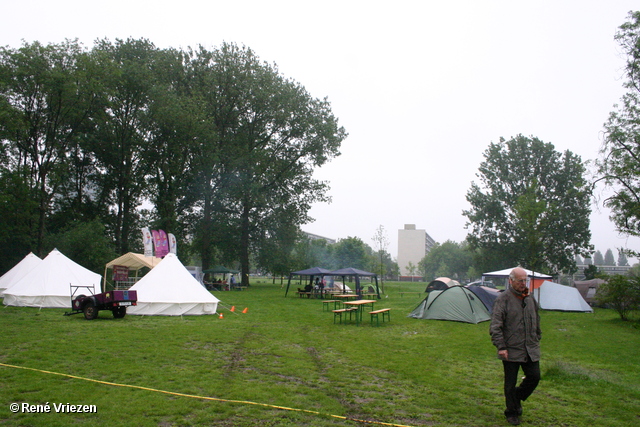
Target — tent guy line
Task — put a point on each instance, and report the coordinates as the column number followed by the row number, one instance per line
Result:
column 193, row 396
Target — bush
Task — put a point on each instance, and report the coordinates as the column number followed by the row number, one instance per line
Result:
column 620, row 293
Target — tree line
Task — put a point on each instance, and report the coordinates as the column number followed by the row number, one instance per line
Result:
column 214, row 146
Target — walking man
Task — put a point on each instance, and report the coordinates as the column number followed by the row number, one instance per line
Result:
column 515, row 331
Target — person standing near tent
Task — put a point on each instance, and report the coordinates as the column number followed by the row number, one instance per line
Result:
column 515, row 331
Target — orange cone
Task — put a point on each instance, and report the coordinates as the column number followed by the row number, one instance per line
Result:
column 221, row 316
column 233, row 308
column 245, row 310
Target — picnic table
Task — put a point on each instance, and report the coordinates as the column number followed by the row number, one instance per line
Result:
column 360, row 304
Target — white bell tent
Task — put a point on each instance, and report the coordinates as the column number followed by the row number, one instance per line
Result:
column 48, row 284
column 18, row 271
column 170, row 290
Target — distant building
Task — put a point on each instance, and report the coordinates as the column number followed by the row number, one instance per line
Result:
column 413, row 245
column 312, row 236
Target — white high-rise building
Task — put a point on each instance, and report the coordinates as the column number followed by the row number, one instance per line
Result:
column 413, row 245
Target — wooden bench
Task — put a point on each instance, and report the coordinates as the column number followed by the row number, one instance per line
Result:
column 325, row 304
column 339, row 312
column 402, row 293
column 383, row 311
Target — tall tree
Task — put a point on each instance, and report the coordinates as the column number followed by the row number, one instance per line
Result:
column 121, row 139
column 598, row 259
column 381, row 240
column 270, row 135
column 608, row 258
column 531, row 207
column 44, row 104
column 619, row 164
column 449, row 259
column 351, row 252
column 622, row 259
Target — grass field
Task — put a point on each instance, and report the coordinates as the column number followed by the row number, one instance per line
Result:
column 285, row 363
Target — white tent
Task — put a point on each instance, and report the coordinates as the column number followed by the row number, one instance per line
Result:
column 553, row 296
column 48, row 284
column 506, row 272
column 170, row 290
column 18, row 271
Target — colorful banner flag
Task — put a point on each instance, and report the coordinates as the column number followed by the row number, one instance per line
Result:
column 173, row 244
column 161, row 243
column 147, row 242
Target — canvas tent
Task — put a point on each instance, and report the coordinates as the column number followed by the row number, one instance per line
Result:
column 310, row 272
column 170, row 290
column 18, row 271
column 134, row 262
column 440, row 284
column 48, row 284
column 554, row 296
column 456, row 303
column 535, row 278
column 588, row 289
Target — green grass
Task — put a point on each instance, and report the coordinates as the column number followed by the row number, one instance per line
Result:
column 287, row 352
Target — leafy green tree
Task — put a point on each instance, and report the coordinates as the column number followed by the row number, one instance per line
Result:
column 532, row 206
column 86, row 243
column 590, row 272
column 622, row 259
column 18, row 218
column 270, row 135
column 622, row 293
column 350, row 252
column 121, row 139
column 598, row 259
column 619, row 164
column 449, row 259
column 608, row 258
column 45, row 99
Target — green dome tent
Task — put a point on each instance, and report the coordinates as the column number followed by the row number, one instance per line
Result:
column 456, row 303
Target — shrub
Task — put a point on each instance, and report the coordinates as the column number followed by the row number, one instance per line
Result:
column 620, row 293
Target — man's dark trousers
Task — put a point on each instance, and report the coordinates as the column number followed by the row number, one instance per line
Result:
column 512, row 394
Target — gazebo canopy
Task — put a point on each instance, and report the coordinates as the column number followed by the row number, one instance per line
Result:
column 315, row 271
column 219, row 269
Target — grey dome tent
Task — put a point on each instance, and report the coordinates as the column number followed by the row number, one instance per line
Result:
column 456, row 303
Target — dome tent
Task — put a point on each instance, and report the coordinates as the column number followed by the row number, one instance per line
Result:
column 440, row 284
column 170, row 290
column 456, row 303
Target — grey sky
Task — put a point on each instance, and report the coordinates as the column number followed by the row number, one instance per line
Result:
column 422, row 87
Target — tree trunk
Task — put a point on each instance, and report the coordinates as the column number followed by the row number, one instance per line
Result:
column 244, row 246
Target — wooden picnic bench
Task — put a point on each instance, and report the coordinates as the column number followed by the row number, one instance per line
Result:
column 383, row 311
column 325, row 304
column 402, row 293
column 340, row 311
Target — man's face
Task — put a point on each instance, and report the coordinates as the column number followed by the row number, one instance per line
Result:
column 519, row 283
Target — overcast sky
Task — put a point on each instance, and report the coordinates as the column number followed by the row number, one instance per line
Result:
column 422, row 87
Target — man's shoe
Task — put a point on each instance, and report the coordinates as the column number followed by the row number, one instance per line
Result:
column 514, row 421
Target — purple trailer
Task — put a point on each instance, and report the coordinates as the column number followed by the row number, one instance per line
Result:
column 117, row 301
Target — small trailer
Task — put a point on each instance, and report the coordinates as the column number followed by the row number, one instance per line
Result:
column 117, row 301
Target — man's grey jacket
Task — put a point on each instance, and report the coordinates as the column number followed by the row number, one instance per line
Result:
column 515, row 326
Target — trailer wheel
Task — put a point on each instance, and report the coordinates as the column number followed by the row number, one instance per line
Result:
column 90, row 310
column 119, row 312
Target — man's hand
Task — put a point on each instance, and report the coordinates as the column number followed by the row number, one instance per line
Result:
column 504, row 354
